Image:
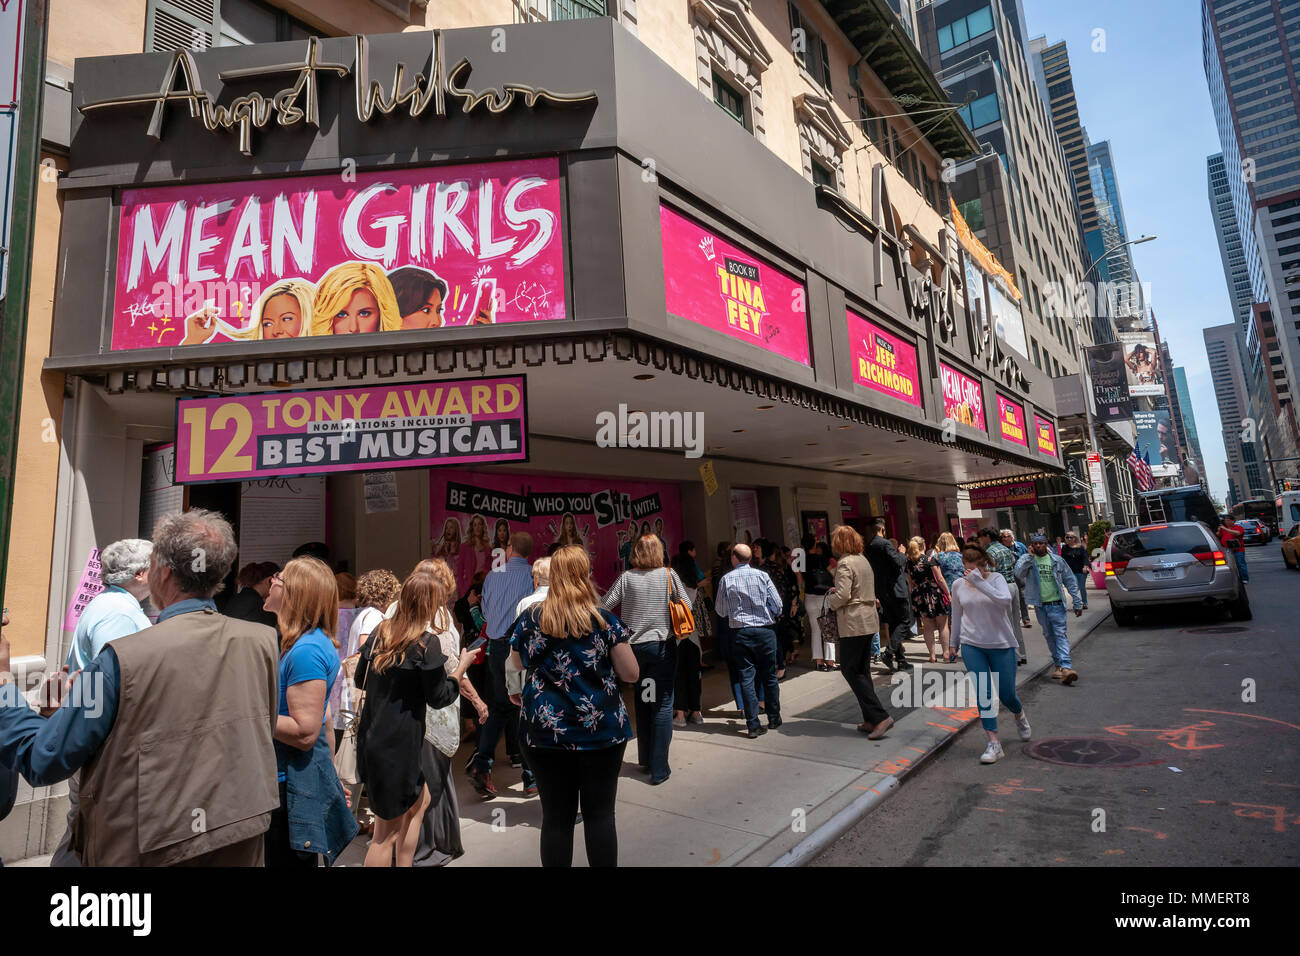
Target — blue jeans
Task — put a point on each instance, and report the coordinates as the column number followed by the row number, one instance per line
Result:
column 754, row 649
column 875, row 644
column 994, row 668
column 1241, row 565
column 1051, row 618
column 723, row 646
column 1082, row 578
column 654, row 704
column 503, row 716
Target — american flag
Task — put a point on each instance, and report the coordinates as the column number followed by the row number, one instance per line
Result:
column 1141, row 471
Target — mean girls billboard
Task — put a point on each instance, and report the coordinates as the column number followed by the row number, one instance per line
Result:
column 339, row 254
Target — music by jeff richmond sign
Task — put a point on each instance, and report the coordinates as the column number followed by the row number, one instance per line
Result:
column 321, row 431
column 883, row 362
column 709, row 281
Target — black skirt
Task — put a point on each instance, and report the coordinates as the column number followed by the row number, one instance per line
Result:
column 391, row 732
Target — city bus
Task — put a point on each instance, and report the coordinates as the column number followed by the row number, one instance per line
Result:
column 1262, row 510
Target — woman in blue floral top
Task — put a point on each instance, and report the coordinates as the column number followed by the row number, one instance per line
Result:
column 575, row 726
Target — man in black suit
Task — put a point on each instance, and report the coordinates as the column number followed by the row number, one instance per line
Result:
column 891, row 592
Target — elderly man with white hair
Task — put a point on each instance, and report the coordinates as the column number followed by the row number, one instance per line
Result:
column 116, row 611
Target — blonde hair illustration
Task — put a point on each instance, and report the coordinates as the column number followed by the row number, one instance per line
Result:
column 303, row 293
column 335, row 291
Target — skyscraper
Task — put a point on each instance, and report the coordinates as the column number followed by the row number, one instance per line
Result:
column 1223, row 349
column 1249, row 66
column 1187, row 418
column 1020, row 192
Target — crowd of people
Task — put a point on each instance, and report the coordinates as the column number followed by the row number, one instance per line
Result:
column 374, row 682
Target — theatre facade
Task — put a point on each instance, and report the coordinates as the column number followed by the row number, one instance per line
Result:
column 406, row 293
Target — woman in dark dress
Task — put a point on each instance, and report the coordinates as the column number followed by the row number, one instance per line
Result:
column 930, row 602
column 403, row 670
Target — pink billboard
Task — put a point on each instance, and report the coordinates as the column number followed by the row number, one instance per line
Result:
column 473, row 513
column 319, row 431
column 883, row 362
column 1011, row 422
column 1009, row 494
column 963, row 398
column 330, row 255
column 1046, row 433
column 709, row 281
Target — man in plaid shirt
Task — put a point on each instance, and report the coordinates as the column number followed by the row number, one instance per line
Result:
column 1004, row 560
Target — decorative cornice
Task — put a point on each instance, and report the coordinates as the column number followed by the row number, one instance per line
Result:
column 729, row 18
column 816, row 111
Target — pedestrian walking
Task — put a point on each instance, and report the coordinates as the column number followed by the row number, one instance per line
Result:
column 406, row 671
column 184, row 707
column 687, row 695
column 981, row 627
column 853, row 598
column 930, row 601
column 1003, row 560
column 641, row 595
column 947, row 556
column 751, row 605
column 313, row 818
column 1075, row 557
column 1232, row 537
column 1045, row 579
column 769, row 559
column 575, row 725
column 887, row 567
column 254, row 583
column 1008, row 540
column 503, row 587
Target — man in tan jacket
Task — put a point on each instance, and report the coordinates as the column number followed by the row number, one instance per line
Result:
column 171, row 727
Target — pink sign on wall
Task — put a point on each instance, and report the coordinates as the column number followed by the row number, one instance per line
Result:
column 319, row 431
column 1007, row 495
column 473, row 513
column 88, row 588
column 318, row 255
column 1046, row 433
column 709, row 281
column 963, row 398
column 883, row 362
column 1011, row 422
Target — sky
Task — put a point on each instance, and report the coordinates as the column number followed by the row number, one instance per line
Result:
column 1146, row 93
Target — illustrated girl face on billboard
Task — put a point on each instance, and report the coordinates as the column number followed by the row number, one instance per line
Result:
column 451, row 531
column 502, row 533
column 420, row 297
column 477, row 531
column 355, row 297
column 568, row 527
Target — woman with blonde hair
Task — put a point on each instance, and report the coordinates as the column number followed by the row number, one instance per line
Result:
column 947, row 556
column 403, row 671
column 641, row 595
column 313, row 817
column 853, row 598
column 283, row 311
column 574, row 725
column 929, row 592
column 355, row 297
column 447, row 547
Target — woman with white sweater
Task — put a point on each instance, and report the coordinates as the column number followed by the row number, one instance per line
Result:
column 980, row 626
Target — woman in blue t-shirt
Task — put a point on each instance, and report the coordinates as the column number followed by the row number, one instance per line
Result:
column 313, row 817
column 574, row 726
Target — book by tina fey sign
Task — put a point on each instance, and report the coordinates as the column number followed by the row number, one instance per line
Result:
column 316, row 432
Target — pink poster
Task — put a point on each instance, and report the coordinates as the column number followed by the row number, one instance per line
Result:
column 88, row 588
column 1009, row 494
column 473, row 513
column 319, row 431
column 883, row 362
column 709, row 281
column 331, row 255
column 963, row 398
column 1046, row 432
column 1011, row 422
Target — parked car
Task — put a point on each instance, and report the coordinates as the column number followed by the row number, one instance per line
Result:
column 1291, row 548
column 1178, row 562
column 1255, row 532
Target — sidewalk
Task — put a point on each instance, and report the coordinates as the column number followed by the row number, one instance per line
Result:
column 732, row 801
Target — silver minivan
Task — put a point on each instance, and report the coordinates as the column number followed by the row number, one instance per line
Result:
column 1179, row 562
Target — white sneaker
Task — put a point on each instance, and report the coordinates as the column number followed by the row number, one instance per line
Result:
column 993, row 753
column 1022, row 725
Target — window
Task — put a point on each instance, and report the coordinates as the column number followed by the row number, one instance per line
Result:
column 965, row 29
column 200, row 24
column 823, row 176
column 973, row 212
column 1033, row 342
column 814, row 57
column 981, row 112
column 732, row 103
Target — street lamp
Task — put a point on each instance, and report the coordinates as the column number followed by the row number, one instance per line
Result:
column 1099, row 510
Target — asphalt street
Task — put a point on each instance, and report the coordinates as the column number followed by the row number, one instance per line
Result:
column 1178, row 746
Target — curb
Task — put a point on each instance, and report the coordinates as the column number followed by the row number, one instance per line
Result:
column 815, row 843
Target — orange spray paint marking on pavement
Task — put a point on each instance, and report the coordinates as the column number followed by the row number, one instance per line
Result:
column 1233, row 713
column 717, row 856
column 1180, row 738
column 1278, row 815
column 1159, row 835
column 991, row 809
column 1003, row 789
column 931, row 723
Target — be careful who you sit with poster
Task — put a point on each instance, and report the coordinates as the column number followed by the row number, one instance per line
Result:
column 352, row 297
